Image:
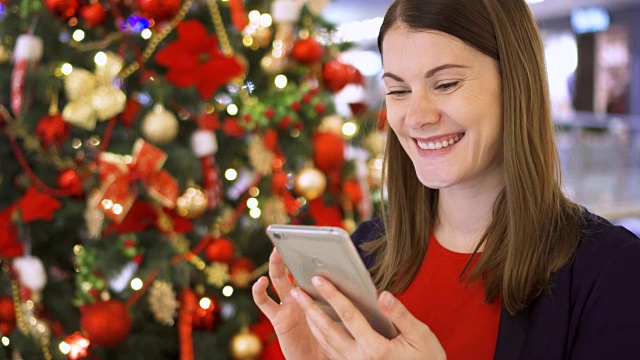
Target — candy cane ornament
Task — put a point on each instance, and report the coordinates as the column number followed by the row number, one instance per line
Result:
column 26, row 54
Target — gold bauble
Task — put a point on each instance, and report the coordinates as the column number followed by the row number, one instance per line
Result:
column 246, row 345
column 349, row 225
column 310, row 183
column 374, row 176
column 274, row 65
column 193, row 203
column 375, row 142
column 262, row 36
column 160, row 126
column 331, row 123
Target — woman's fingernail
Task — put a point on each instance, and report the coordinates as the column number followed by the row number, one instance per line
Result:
column 387, row 299
column 316, row 281
column 295, row 294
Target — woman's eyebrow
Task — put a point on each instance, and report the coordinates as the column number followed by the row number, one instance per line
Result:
column 429, row 73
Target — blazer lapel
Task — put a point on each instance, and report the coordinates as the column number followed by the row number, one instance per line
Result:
column 512, row 334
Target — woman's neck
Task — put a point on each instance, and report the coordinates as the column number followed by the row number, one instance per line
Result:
column 464, row 213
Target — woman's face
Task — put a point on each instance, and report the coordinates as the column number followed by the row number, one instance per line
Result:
column 444, row 104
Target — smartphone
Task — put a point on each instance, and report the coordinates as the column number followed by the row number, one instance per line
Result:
column 328, row 251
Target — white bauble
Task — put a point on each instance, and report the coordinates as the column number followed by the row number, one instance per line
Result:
column 160, row 126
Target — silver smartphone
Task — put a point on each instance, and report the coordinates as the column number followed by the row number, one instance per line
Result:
column 328, row 251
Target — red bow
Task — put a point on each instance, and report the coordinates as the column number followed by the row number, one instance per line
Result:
column 117, row 172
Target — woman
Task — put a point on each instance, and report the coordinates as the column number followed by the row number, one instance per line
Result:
column 485, row 256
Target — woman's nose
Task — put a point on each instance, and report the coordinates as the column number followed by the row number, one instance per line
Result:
column 422, row 112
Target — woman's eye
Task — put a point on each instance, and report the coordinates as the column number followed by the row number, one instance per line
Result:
column 397, row 92
column 447, row 86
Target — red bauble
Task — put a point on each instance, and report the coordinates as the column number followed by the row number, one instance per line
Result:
column 279, row 181
column 220, row 250
column 70, row 182
column 106, row 323
column 242, row 265
column 159, row 9
column 93, row 14
column 7, row 315
column 64, row 9
column 328, row 151
column 353, row 192
column 307, row 51
column 240, row 272
column 52, row 130
column 206, row 318
column 336, row 75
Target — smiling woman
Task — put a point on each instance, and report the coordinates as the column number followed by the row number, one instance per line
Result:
column 445, row 108
column 479, row 254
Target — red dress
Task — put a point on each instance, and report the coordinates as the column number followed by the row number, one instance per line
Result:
column 465, row 325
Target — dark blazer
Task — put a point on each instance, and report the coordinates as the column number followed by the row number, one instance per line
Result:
column 590, row 311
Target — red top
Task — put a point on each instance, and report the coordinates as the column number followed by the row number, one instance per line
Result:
column 455, row 311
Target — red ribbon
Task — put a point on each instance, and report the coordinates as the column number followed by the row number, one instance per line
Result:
column 238, row 15
column 188, row 305
column 116, row 174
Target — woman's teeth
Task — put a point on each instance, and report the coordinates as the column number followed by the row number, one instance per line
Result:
column 431, row 145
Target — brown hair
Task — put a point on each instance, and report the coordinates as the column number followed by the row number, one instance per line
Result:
column 535, row 228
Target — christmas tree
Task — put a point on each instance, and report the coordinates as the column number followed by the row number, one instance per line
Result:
column 146, row 145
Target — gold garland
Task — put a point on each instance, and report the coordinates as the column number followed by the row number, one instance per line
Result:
column 156, row 39
column 225, row 45
column 17, row 307
column 96, row 45
column 218, row 24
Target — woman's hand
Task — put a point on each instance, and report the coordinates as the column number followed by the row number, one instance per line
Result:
column 287, row 318
column 415, row 341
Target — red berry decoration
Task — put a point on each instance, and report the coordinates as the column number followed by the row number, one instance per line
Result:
column 206, row 318
column 63, row 9
column 93, row 14
column 106, row 323
column 320, row 108
column 240, row 272
column 279, row 181
column 353, row 192
column 336, row 75
column 269, row 113
column 159, row 10
column 52, row 131
column 70, row 181
column 328, row 151
column 307, row 51
column 220, row 250
column 7, row 315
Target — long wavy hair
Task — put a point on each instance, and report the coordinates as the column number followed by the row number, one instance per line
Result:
column 535, row 228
